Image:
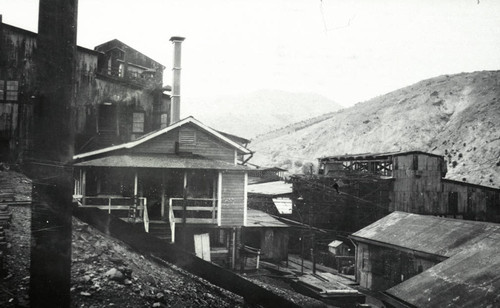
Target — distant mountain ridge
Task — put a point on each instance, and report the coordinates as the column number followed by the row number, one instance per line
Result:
column 259, row 112
column 457, row 116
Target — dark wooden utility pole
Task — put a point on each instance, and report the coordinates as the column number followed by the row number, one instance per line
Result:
column 50, row 161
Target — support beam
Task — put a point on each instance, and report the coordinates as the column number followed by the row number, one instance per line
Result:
column 84, row 185
column 219, row 199
column 50, row 164
column 163, row 193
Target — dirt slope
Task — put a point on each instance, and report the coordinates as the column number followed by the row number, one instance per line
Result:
column 457, row 116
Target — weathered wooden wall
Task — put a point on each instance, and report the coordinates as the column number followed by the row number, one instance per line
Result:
column 92, row 89
column 233, row 197
column 272, row 242
column 379, row 268
column 203, row 144
column 16, row 64
column 419, row 188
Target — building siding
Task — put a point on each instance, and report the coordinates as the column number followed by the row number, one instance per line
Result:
column 92, row 90
column 204, row 145
column 233, row 198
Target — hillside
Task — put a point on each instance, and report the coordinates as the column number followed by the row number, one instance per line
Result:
column 258, row 112
column 457, row 116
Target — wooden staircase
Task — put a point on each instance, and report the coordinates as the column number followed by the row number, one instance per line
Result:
column 160, row 229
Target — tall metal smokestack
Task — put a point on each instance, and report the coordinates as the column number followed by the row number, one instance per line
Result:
column 175, row 104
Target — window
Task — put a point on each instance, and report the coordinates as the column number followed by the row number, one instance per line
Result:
column 453, row 202
column 12, row 89
column 163, row 120
column 138, row 122
column 415, row 162
column 2, row 92
column 121, row 70
column 9, row 90
column 107, row 121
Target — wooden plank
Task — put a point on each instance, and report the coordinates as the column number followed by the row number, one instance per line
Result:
column 202, row 246
column 196, row 220
column 192, row 208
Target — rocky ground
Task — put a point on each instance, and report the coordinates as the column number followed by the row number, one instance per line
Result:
column 107, row 273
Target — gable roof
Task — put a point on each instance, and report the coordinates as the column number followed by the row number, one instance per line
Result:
column 162, row 131
column 428, row 234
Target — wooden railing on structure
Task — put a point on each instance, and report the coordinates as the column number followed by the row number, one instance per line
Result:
column 137, row 210
column 193, row 210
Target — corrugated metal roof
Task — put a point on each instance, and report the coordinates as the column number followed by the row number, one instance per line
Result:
column 433, row 235
column 256, row 218
column 271, row 188
column 470, row 278
column 159, row 161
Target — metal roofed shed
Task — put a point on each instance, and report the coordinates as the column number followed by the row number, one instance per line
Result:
column 403, row 245
column 339, row 248
column 470, row 278
column 437, row 236
column 267, row 234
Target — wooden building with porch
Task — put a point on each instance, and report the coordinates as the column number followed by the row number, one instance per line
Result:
column 179, row 181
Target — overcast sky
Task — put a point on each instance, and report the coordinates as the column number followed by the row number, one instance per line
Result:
column 346, row 50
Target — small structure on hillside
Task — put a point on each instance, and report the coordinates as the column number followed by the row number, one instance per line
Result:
column 258, row 174
column 338, row 248
column 267, row 234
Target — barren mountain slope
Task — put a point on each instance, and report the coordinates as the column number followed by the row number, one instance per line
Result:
column 457, row 116
column 258, row 112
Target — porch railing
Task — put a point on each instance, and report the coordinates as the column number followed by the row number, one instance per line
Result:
column 193, row 210
column 119, row 203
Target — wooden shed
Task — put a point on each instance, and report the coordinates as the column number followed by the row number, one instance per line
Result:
column 403, row 245
column 267, row 234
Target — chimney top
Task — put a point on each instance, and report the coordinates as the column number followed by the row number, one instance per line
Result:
column 177, row 38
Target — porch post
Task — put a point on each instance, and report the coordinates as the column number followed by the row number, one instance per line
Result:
column 184, row 196
column 219, row 199
column 214, row 200
column 136, row 185
column 84, row 185
column 162, row 193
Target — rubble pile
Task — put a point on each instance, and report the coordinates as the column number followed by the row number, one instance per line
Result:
column 16, row 277
column 105, row 272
